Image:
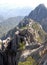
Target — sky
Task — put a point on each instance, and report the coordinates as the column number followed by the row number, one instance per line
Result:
column 21, row 3
column 10, row 8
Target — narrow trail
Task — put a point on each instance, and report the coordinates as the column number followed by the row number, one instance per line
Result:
column 25, row 53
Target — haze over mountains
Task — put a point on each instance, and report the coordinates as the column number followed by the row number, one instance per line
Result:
column 13, row 12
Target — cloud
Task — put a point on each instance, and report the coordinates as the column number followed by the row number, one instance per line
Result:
column 21, row 3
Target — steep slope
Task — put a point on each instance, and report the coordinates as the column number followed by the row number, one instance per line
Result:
column 35, row 28
column 40, row 14
column 26, row 45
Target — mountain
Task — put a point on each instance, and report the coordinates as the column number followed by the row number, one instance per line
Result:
column 40, row 14
column 9, row 24
column 26, row 45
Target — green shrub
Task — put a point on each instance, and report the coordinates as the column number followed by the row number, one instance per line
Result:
column 0, row 43
column 21, row 46
column 29, row 61
column 39, row 39
column 35, row 26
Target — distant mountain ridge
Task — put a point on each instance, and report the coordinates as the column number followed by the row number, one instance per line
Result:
column 9, row 24
column 1, row 18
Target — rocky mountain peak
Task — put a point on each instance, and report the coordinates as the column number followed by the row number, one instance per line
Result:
column 38, row 13
column 41, row 6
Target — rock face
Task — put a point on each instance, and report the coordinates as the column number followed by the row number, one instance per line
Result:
column 24, row 46
column 8, row 53
column 43, row 60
